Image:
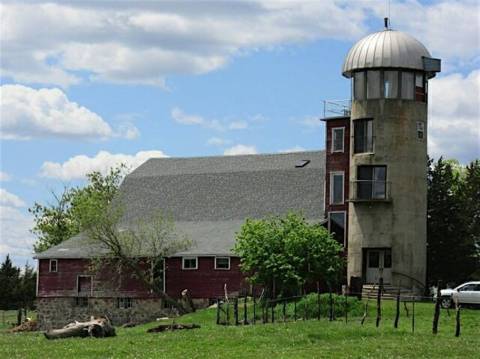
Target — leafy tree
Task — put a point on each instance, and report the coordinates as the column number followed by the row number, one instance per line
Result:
column 9, row 278
column 74, row 209
column 450, row 250
column 285, row 253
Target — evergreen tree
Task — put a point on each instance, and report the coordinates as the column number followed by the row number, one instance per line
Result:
column 450, row 250
column 9, row 278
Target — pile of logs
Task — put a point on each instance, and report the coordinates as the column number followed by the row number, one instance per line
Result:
column 96, row 327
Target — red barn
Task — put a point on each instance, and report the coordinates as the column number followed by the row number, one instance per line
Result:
column 209, row 199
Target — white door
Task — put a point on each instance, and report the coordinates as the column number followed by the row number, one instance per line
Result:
column 379, row 264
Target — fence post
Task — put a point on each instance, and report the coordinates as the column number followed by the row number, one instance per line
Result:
column 330, row 304
column 273, row 311
column 379, row 302
column 228, row 313
column 305, row 307
column 284, row 310
column 254, row 308
column 436, row 314
column 413, row 315
column 406, row 308
column 318, row 299
column 218, row 311
column 457, row 318
column 397, row 314
column 346, row 308
column 245, row 321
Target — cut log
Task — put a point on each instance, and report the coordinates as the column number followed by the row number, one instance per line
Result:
column 96, row 327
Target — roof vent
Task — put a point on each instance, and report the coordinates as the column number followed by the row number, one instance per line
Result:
column 302, row 163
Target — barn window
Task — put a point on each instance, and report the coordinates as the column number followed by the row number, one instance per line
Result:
column 124, row 303
column 84, row 284
column 336, row 188
column 53, row 267
column 189, row 263
column 337, row 139
column 363, row 136
column 222, row 263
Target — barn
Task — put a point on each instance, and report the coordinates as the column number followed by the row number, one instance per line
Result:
column 209, row 199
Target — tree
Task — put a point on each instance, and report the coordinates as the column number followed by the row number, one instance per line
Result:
column 26, row 291
column 285, row 253
column 74, row 209
column 137, row 248
column 450, row 248
column 9, row 278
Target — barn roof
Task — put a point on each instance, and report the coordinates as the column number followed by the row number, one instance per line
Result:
column 210, row 197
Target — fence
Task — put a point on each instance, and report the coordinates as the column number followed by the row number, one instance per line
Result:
column 245, row 310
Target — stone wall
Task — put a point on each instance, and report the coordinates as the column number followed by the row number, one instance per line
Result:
column 59, row 311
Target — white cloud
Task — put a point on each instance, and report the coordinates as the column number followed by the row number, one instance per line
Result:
column 296, row 148
column 15, row 236
column 240, row 150
column 238, row 125
column 29, row 113
column 143, row 42
column 183, row 118
column 311, row 122
column 77, row 167
column 217, row 141
column 9, row 199
column 454, row 116
column 4, row 176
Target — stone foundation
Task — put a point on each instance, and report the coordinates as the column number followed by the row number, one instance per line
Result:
column 56, row 312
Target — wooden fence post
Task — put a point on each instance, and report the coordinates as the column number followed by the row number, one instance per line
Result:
column 218, row 311
column 245, row 320
column 295, row 309
column 413, row 315
column 318, row 299
column 273, row 311
column 284, row 310
column 379, row 302
column 254, row 308
column 436, row 314
column 406, row 308
column 365, row 313
column 397, row 314
column 457, row 317
column 346, row 308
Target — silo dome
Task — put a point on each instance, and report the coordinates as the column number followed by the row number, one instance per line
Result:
column 386, row 49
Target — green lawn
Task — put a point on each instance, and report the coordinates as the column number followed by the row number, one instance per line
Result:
column 301, row 339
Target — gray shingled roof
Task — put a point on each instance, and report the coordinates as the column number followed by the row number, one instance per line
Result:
column 210, row 197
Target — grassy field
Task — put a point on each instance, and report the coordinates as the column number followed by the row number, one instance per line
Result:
column 301, row 339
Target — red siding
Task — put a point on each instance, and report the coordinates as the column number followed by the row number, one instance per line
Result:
column 204, row 282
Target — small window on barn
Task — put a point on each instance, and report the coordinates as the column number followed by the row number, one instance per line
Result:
column 336, row 187
column 189, row 263
column 53, row 267
column 222, row 263
column 337, row 139
column 124, row 303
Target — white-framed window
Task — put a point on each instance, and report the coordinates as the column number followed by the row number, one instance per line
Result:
column 336, row 187
column 53, row 266
column 338, row 134
column 222, row 263
column 189, row 263
column 337, row 222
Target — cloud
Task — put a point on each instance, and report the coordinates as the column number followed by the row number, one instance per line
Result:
column 29, row 113
column 77, row 167
column 240, row 150
column 17, row 240
column 311, row 122
column 454, row 116
column 144, row 42
column 217, row 141
column 238, row 125
column 185, row 119
column 4, row 176
column 296, row 148
column 9, row 199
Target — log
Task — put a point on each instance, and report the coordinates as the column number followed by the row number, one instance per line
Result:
column 96, row 327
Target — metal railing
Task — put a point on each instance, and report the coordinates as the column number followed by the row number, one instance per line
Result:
column 370, row 191
column 333, row 108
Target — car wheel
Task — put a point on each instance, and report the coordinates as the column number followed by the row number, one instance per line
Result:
column 446, row 302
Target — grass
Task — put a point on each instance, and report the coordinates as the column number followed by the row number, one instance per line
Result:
column 301, row 339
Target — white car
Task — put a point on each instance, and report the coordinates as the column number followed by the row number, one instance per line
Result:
column 467, row 293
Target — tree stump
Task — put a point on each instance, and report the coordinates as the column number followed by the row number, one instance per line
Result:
column 96, row 327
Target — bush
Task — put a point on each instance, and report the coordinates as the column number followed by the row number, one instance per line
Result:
column 309, row 305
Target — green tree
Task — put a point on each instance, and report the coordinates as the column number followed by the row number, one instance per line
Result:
column 285, row 253
column 26, row 288
column 9, row 278
column 450, row 249
column 75, row 209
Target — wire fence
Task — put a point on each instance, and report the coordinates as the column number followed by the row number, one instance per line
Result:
column 251, row 310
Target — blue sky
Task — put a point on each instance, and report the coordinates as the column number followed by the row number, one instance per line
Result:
column 86, row 85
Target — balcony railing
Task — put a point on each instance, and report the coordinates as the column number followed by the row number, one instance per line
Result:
column 370, row 191
column 333, row 108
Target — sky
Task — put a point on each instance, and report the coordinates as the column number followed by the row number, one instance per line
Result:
column 86, row 85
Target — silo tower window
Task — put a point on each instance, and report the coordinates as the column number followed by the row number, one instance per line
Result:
column 359, row 85
column 373, row 84
column 419, row 87
column 407, row 85
column 363, row 135
column 390, row 84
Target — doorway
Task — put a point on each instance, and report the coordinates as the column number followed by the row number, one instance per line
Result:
column 379, row 263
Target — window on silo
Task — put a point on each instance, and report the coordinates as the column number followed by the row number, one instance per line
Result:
column 390, row 84
column 371, row 182
column 373, row 84
column 359, row 85
column 363, row 135
column 419, row 87
column 407, row 85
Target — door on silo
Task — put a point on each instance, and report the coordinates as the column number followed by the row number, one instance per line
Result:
column 379, row 264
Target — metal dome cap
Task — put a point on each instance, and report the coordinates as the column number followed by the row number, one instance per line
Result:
column 389, row 48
